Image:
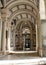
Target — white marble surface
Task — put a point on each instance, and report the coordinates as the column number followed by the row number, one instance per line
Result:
column 24, row 62
column 21, row 60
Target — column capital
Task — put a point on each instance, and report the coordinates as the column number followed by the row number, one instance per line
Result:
column 3, row 14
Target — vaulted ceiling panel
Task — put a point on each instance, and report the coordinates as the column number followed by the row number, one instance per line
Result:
column 29, row 16
column 33, row 20
column 34, row 12
column 14, row 9
column 19, row 16
column 24, row 15
column 29, row 7
column 21, row 6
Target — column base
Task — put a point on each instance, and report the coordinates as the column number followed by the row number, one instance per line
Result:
column 4, row 53
column 40, row 52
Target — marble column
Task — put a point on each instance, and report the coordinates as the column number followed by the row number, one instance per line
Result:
column 36, row 38
column 39, row 36
column 3, row 39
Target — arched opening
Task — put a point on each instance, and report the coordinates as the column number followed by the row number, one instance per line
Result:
column 24, row 35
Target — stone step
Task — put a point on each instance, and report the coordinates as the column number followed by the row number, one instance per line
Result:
column 34, row 54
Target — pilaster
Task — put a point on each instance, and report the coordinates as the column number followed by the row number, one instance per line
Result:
column 0, row 29
column 39, row 36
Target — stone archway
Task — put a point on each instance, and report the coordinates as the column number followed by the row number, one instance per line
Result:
column 18, row 11
column 20, row 27
column 22, row 14
column 30, row 35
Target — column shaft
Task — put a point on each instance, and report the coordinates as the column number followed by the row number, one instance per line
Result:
column 3, row 40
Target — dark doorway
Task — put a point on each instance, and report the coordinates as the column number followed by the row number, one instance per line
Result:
column 27, row 44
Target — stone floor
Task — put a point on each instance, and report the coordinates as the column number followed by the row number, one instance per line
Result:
column 17, row 59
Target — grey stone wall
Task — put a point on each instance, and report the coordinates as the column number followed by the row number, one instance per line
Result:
column 43, row 32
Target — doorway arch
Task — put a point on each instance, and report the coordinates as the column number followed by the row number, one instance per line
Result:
column 25, row 34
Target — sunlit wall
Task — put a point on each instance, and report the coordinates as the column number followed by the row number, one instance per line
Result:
column 42, row 9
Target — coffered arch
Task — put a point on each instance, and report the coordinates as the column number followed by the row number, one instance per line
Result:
column 17, row 7
column 9, row 3
column 22, row 15
column 23, row 24
column 18, row 25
